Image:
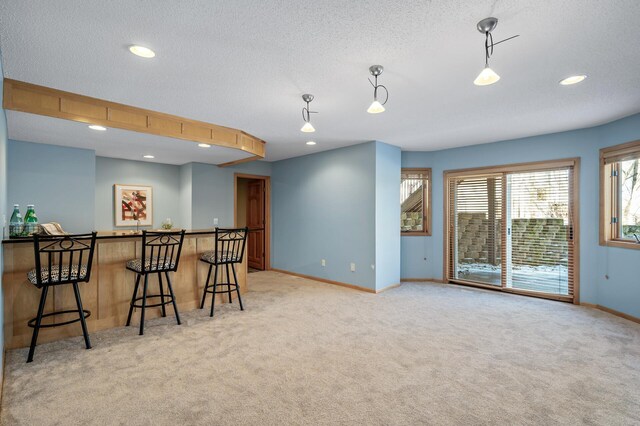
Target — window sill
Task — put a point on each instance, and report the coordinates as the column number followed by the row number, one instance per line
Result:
column 419, row 234
column 628, row 244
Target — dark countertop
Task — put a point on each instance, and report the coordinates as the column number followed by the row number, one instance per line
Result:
column 103, row 235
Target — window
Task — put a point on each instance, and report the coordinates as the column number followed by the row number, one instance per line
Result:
column 415, row 202
column 620, row 195
column 514, row 228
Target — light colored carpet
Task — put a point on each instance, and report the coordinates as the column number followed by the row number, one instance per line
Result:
column 309, row 353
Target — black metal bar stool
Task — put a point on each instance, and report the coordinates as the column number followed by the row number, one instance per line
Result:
column 160, row 255
column 228, row 250
column 61, row 259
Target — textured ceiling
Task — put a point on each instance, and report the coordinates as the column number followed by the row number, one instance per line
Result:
column 245, row 64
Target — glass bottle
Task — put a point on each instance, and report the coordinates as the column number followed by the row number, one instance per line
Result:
column 30, row 221
column 16, row 226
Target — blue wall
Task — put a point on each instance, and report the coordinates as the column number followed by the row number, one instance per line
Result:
column 58, row 180
column 387, row 176
column 622, row 291
column 75, row 188
column 4, row 140
column 164, row 178
column 211, row 190
column 324, row 208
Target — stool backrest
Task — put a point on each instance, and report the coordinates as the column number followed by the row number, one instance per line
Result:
column 230, row 243
column 162, row 249
column 66, row 258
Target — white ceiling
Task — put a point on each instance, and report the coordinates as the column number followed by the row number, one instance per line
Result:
column 245, row 64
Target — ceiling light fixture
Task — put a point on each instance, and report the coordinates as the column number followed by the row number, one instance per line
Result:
column 204, row 145
column 574, row 79
column 488, row 76
column 376, row 107
column 148, row 156
column 311, row 143
column 143, row 52
column 306, row 114
column 96, row 127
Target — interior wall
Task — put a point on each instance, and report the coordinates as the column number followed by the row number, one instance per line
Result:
column 387, row 234
column 59, row 181
column 163, row 178
column 242, row 192
column 4, row 208
column 186, row 195
column 323, row 207
column 621, row 291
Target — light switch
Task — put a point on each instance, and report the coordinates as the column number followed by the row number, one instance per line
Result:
column 215, row 221
column 353, row 267
column 323, row 262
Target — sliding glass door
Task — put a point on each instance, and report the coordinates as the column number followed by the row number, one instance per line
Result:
column 539, row 231
column 477, row 215
column 513, row 229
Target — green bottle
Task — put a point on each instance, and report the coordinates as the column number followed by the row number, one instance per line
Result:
column 30, row 221
column 16, row 226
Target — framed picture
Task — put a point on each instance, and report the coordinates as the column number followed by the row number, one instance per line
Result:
column 133, row 205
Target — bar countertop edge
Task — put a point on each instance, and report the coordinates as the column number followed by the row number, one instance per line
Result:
column 103, row 235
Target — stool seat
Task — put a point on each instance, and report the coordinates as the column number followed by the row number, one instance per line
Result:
column 155, row 265
column 78, row 272
column 222, row 257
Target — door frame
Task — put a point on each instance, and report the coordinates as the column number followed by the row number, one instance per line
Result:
column 267, row 211
column 518, row 167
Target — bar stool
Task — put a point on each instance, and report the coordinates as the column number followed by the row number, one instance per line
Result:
column 161, row 253
column 228, row 250
column 61, row 259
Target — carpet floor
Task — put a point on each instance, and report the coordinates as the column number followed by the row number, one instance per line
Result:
column 304, row 352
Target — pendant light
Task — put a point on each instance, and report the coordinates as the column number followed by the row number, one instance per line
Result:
column 306, row 114
column 488, row 76
column 377, row 107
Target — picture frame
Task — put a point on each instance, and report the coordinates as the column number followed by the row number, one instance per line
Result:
column 133, row 205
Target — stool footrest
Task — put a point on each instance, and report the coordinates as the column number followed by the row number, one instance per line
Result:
column 211, row 286
column 32, row 322
column 166, row 299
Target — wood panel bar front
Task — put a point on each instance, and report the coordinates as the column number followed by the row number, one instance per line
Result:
column 108, row 293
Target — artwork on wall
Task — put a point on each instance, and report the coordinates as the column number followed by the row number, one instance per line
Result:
column 133, row 205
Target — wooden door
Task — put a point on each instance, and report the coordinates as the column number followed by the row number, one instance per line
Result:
column 256, row 223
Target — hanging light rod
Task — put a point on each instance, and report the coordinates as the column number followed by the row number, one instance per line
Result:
column 306, row 114
column 487, row 76
column 376, row 107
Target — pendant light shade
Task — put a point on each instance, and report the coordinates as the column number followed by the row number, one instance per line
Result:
column 306, row 114
column 307, row 128
column 486, row 77
column 376, row 107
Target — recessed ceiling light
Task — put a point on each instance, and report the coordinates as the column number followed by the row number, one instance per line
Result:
column 574, row 79
column 142, row 51
column 311, row 143
column 204, row 145
column 148, row 156
column 96, row 127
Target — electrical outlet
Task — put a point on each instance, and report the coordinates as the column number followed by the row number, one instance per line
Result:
column 215, row 220
column 323, row 262
column 353, row 267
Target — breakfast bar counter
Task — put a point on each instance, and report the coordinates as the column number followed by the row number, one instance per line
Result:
column 108, row 293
